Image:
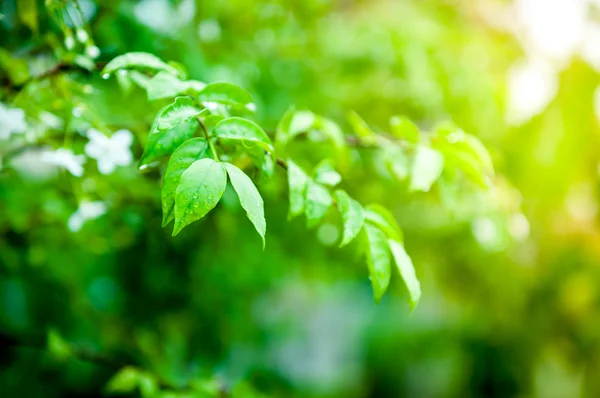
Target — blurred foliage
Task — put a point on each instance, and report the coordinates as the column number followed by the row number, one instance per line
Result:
column 96, row 298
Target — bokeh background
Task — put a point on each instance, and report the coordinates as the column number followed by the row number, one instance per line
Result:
column 510, row 276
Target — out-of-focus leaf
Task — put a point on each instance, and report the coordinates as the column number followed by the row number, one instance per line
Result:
column 16, row 68
column 325, row 173
column 407, row 271
column 384, row 220
column 183, row 157
column 426, row 168
column 352, row 214
column 318, row 200
column 250, row 198
column 360, row 127
column 297, row 182
column 378, row 260
column 241, row 130
column 28, row 13
column 140, row 61
column 58, row 348
column 403, row 127
column 200, row 189
column 124, row 381
column 225, row 93
column 166, row 85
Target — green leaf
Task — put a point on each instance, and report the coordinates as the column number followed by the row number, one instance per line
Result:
column 475, row 147
column 378, row 260
column 325, row 173
column 17, row 69
column 140, row 61
column 318, row 200
column 427, row 167
column 352, row 214
column 124, row 381
column 403, row 127
column 181, row 110
column 165, row 85
column 28, row 13
column 58, row 348
column 384, row 220
column 360, row 127
column 250, row 199
column 333, row 132
column 163, row 142
column 200, row 189
column 243, row 131
column 225, row 93
column 297, row 182
column 173, row 125
column 183, row 157
column 407, row 271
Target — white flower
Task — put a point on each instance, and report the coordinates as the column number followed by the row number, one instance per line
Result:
column 92, row 51
column 532, row 84
column 65, row 158
column 86, row 211
column 11, row 121
column 69, row 42
column 82, row 35
column 110, row 152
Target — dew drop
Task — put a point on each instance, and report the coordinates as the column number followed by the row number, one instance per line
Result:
column 105, row 76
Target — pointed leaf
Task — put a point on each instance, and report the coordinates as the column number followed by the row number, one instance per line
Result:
column 352, row 214
column 28, row 13
column 297, row 182
column 165, row 85
column 181, row 110
column 200, row 189
column 426, row 168
column 384, row 220
column 242, row 130
column 318, row 200
column 224, row 93
column 360, row 127
column 407, row 271
column 403, row 128
column 378, row 261
column 183, row 157
column 140, row 61
column 250, row 199
column 124, row 381
column 325, row 173
column 163, row 142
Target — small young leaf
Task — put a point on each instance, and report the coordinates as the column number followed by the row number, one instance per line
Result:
column 182, row 158
column 403, row 128
column 378, row 261
column 407, row 271
column 352, row 215
column 297, row 182
column 333, row 132
column 318, row 200
column 478, row 150
column 182, row 109
column 325, row 173
column 165, row 85
column 28, row 13
column 140, row 61
column 426, row 168
column 200, row 189
column 163, row 142
column 124, row 381
column 58, row 348
column 360, row 127
column 250, row 199
column 224, row 93
column 384, row 220
column 243, row 130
